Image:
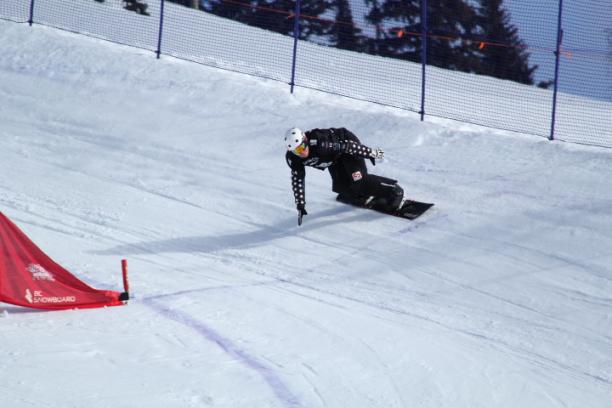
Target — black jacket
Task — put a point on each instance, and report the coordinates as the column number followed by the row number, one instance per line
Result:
column 326, row 147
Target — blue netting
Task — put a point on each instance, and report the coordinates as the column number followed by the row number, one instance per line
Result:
column 585, row 75
column 15, row 10
column 343, row 43
column 517, row 103
column 489, row 62
column 212, row 40
column 108, row 19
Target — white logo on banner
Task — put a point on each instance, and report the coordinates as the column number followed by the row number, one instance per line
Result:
column 40, row 273
column 39, row 297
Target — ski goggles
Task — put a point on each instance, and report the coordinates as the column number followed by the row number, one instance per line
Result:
column 301, row 149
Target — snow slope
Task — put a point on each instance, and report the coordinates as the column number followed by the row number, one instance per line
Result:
column 500, row 297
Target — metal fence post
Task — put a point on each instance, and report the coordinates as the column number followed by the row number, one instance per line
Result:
column 424, row 30
column 161, row 28
column 557, row 62
column 31, row 19
column 296, row 33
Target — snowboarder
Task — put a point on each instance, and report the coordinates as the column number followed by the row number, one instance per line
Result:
column 341, row 152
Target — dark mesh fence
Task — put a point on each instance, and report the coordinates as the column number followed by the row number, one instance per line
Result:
column 106, row 19
column 15, row 10
column 488, row 62
column 209, row 39
column 488, row 44
column 585, row 74
column 348, row 44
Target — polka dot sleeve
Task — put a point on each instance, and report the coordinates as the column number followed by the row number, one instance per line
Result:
column 356, row 149
column 297, row 183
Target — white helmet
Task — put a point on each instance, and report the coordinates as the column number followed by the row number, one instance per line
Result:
column 293, row 138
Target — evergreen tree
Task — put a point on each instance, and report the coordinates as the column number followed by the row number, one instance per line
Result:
column 343, row 33
column 375, row 17
column 398, row 31
column 187, row 3
column 503, row 52
column 451, row 25
column 459, row 36
column 275, row 15
column 311, row 22
column 403, row 38
column 237, row 10
column 194, row 4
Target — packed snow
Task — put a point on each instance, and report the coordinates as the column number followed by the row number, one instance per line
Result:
column 500, row 296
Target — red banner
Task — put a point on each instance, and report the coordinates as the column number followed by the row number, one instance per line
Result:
column 28, row 277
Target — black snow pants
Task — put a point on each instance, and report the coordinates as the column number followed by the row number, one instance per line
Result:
column 350, row 179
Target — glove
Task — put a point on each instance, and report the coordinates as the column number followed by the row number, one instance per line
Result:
column 377, row 153
column 301, row 212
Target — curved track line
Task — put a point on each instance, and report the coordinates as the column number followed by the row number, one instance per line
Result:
column 278, row 387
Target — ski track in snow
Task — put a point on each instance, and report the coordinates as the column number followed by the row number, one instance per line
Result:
column 280, row 389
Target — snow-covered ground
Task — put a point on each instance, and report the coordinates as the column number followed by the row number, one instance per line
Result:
column 501, row 296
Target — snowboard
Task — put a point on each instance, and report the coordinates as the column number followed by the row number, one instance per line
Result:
column 410, row 210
